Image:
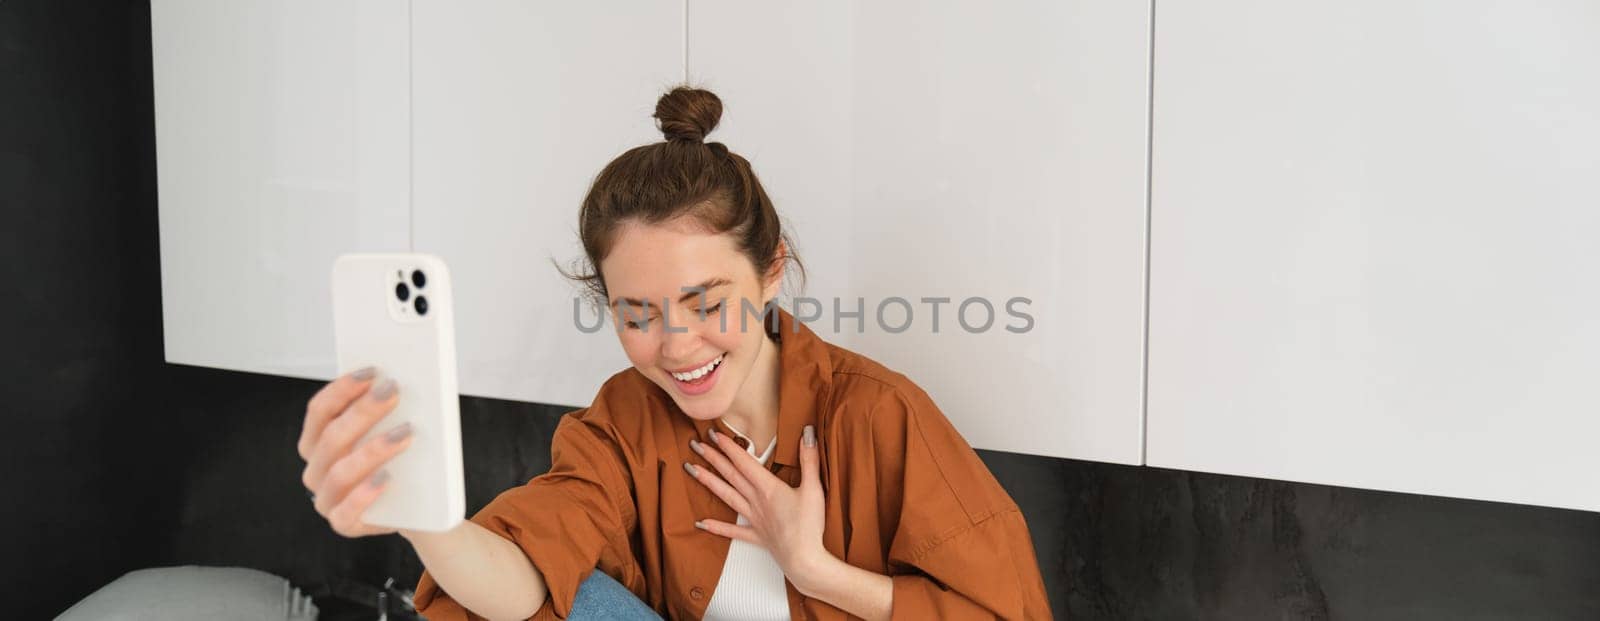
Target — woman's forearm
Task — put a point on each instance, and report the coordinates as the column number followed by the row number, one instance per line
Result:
column 484, row 572
column 863, row 593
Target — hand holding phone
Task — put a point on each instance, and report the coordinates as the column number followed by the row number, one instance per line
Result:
column 343, row 475
column 393, row 313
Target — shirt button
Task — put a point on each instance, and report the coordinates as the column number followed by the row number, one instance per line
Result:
column 697, row 593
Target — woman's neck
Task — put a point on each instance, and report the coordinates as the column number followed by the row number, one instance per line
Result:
column 755, row 409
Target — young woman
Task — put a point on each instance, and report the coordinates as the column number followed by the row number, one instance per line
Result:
column 742, row 468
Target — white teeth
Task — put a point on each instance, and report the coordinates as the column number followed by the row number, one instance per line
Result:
column 700, row 372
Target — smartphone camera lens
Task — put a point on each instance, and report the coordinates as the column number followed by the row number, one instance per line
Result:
column 422, row 305
column 400, row 291
column 417, row 279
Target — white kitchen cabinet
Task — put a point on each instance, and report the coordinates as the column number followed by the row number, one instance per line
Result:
column 961, row 150
column 291, row 132
column 1372, row 246
column 281, row 137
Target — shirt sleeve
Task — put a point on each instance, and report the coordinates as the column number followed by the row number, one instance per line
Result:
column 961, row 548
column 566, row 520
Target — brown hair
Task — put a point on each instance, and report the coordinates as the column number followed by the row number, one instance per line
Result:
column 680, row 176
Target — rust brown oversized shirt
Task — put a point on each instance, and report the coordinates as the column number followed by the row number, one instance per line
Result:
column 906, row 497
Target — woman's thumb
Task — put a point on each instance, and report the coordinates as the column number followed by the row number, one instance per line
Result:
column 809, row 457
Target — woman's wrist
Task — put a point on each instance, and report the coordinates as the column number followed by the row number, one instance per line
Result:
column 440, row 544
column 818, row 573
column 413, row 535
column 858, row 591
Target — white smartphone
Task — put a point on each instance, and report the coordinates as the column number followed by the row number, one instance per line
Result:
column 394, row 312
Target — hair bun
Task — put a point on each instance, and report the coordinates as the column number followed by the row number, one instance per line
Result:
column 688, row 113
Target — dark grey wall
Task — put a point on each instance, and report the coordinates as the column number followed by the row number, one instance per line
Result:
column 115, row 460
column 84, row 495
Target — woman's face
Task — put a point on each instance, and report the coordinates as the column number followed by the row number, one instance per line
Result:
column 683, row 346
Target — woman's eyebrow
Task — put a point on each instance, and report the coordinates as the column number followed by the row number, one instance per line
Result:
column 691, row 292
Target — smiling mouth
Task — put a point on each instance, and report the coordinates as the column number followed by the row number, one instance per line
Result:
column 699, row 375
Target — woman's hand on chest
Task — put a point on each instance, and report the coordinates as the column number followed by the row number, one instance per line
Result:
column 787, row 521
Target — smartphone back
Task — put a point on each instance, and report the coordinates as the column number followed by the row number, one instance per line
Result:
column 388, row 317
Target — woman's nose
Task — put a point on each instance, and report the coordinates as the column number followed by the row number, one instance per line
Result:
column 679, row 343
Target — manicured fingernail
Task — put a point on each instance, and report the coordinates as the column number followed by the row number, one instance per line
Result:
column 379, row 478
column 696, row 446
column 690, row 468
column 363, row 374
column 394, row 436
column 384, row 390
column 698, row 524
column 713, row 434
column 810, row 437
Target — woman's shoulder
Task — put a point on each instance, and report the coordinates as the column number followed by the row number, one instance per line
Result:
column 860, row 385
column 623, row 408
column 910, row 435
column 627, row 390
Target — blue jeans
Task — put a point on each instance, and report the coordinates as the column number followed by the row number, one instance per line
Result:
column 601, row 597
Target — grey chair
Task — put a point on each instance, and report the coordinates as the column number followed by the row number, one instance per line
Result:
column 192, row 593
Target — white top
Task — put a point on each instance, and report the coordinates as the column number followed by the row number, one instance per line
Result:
column 752, row 585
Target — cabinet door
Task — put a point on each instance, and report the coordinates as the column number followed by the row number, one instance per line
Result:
column 960, row 150
column 281, row 141
column 518, row 105
column 1373, row 245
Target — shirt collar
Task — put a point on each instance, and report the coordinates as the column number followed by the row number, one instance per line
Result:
column 750, row 446
column 805, row 372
